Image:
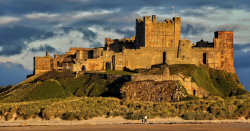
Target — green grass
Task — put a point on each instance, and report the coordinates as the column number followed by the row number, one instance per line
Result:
column 34, row 91
column 48, row 90
column 202, row 78
column 84, row 85
column 218, row 82
column 116, row 72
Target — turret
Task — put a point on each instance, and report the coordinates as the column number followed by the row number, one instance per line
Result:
column 184, row 48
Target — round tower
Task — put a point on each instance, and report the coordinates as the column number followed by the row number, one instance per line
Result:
column 184, row 48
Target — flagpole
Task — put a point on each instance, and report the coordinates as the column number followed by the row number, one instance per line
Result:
column 173, row 11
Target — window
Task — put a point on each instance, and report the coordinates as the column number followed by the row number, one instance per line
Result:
column 225, row 41
column 180, row 49
column 120, row 59
column 153, row 40
column 225, row 34
column 119, row 65
column 162, row 40
column 183, row 44
column 211, row 55
column 172, row 41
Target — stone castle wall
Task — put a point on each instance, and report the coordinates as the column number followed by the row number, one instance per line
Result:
column 154, row 43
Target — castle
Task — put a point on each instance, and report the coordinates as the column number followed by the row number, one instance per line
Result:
column 154, row 43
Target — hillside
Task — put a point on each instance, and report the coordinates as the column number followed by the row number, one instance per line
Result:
column 62, row 84
column 61, row 94
column 215, row 82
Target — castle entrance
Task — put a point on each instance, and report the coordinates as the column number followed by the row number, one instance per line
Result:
column 164, row 58
column 194, row 92
column 108, row 65
column 83, row 68
column 204, row 58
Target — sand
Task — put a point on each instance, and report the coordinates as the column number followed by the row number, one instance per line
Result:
column 112, row 121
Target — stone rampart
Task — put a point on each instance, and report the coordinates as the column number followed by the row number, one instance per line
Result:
column 191, row 87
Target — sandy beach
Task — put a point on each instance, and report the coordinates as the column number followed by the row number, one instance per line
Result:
column 112, row 121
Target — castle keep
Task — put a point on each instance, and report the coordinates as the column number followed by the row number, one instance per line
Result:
column 154, row 43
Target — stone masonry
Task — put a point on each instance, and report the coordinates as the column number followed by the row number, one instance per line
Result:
column 155, row 42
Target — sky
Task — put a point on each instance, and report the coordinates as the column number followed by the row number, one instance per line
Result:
column 29, row 28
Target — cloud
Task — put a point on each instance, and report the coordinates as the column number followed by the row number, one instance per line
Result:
column 241, row 47
column 127, row 33
column 44, row 48
column 15, row 39
column 12, row 73
column 87, row 33
column 189, row 29
column 6, row 20
column 40, row 15
column 242, row 64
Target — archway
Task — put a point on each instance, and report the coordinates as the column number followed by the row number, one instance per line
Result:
column 108, row 65
column 83, row 68
column 194, row 92
column 58, row 64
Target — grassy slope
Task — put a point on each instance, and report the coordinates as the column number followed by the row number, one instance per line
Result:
column 216, row 82
column 202, row 78
column 88, row 107
column 31, row 92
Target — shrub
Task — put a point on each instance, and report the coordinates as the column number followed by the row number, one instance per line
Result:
column 198, row 116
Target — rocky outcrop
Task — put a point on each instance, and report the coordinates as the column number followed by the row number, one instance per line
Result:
column 152, row 91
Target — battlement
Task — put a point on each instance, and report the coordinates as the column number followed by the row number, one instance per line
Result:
column 147, row 18
column 153, row 20
column 73, row 49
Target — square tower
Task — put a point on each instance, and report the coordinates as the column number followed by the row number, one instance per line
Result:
column 224, row 43
column 150, row 33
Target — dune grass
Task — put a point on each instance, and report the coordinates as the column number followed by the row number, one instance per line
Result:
column 79, row 108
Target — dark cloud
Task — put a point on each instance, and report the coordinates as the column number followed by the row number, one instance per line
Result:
column 127, row 33
column 65, row 6
column 88, row 35
column 44, row 48
column 95, row 44
column 241, row 59
column 242, row 64
column 13, row 39
column 12, row 73
column 240, row 47
column 189, row 29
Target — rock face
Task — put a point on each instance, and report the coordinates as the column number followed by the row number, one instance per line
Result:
column 152, row 91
